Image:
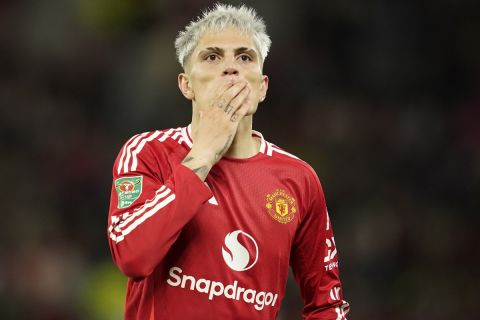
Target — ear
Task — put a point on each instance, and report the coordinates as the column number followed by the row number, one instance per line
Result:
column 263, row 87
column 185, row 87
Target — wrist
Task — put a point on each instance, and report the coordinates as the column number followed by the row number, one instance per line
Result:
column 202, row 156
column 200, row 164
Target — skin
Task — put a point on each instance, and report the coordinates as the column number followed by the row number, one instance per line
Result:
column 224, row 81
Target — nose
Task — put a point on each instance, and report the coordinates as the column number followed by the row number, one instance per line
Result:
column 230, row 71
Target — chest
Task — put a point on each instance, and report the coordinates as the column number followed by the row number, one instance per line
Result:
column 254, row 207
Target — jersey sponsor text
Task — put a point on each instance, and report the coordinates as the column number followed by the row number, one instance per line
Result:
column 232, row 291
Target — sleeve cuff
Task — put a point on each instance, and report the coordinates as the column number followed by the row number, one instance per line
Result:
column 191, row 179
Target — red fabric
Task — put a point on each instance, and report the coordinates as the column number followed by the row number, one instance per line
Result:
column 221, row 250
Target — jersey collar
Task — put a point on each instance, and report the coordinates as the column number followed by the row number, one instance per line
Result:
column 187, row 137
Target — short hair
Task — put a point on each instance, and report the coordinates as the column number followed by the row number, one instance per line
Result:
column 217, row 19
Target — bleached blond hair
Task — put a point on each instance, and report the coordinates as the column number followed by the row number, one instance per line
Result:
column 217, row 19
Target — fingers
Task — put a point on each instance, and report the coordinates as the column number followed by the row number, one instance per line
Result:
column 226, row 96
column 237, row 101
column 232, row 99
column 229, row 108
column 221, row 98
column 240, row 112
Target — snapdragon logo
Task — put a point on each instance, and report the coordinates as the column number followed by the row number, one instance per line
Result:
column 213, row 289
column 236, row 254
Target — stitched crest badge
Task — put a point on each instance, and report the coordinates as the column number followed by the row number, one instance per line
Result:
column 128, row 190
column 281, row 206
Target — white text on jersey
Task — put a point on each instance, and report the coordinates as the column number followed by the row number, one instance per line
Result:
column 216, row 289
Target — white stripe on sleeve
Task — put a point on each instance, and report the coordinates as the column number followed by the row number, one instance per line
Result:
column 124, row 151
column 118, row 229
column 140, row 147
column 129, row 150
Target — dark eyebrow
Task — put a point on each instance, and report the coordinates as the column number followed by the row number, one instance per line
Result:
column 213, row 49
column 246, row 50
column 237, row 51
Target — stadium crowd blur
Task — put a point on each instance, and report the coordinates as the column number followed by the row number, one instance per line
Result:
column 382, row 98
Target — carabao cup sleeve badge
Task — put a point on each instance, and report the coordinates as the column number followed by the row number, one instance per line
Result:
column 128, row 190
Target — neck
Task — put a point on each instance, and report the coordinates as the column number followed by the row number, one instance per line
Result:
column 244, row 145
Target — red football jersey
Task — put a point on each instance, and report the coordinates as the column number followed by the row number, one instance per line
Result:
column 219, row 249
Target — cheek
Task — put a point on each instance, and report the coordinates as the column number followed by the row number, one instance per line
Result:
column 201, row 84
column 255, row 85
column 200, row 80
column 202, row 73
column 257, row 92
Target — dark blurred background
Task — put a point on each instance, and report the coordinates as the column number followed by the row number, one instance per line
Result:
column 382, row 98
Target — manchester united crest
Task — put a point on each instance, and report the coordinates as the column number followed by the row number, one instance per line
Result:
column 281, row 206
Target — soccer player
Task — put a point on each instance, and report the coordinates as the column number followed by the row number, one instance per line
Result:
column 206, row 219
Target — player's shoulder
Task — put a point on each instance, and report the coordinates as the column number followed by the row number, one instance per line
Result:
column 158, row 139
column 153, row 144
column 295, row 168
column 288, row 159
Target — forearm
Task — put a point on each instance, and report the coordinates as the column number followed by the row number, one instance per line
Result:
column 142, row 236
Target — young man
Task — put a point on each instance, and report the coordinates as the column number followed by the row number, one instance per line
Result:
column 206, row 219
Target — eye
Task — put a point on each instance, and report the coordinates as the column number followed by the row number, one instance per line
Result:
column 211, row 57
column 246, row 58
